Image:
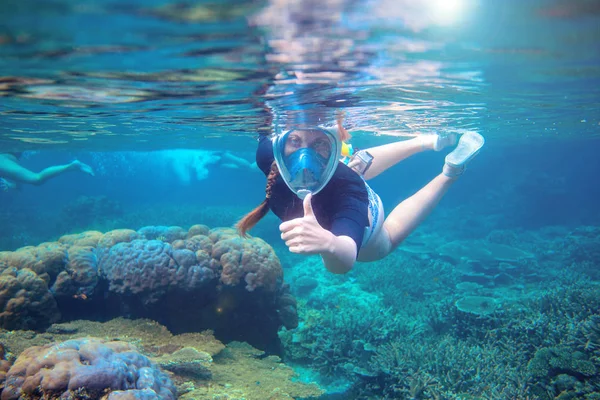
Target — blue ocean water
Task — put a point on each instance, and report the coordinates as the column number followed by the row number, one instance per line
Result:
column 151, row 93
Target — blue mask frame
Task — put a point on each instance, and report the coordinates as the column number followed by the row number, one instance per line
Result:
column 306, row 171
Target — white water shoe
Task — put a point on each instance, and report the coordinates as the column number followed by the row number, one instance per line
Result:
column 444, row 140
column 468, row 146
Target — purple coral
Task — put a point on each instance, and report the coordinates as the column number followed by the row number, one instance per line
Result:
column 150, row 268
column 89, row 367
column 80, row 275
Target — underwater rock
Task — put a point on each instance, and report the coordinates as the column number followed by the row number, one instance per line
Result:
column 63, row 329
column 187, row 361
column 84, row 368
column 479, row 305
column 305, row 284
column 481, row 251
column 245, row 372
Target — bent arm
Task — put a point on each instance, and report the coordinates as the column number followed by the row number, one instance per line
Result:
column 340, row 255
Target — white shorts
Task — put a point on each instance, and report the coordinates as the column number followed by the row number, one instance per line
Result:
column 376, row 216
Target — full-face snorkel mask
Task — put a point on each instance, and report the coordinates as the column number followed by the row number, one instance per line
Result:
column 306, row 158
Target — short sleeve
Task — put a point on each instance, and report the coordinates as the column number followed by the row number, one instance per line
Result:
column 348, row 207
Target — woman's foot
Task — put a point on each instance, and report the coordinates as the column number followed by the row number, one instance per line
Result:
column 6, row 185
column 82, row 167
column 438, row 141
column 468, row 147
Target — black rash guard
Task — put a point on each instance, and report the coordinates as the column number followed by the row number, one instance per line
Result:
column 341, row 207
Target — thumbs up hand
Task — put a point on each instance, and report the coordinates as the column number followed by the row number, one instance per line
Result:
column 305, row 235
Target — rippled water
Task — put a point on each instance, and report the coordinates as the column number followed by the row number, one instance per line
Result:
column 99, row 75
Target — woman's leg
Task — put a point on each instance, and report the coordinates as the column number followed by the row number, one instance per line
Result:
column 10, row 169
column 388, row 155
column 411, row 212
column 407, row 215
column 403, row 219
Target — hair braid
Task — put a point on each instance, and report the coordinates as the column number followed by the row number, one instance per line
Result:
column 252, row 218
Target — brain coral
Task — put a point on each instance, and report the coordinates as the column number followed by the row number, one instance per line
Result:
column 111, row 238
column 25, row 302
column 46, row 258
column 87, row 238
column 86, row 368
column 164, row 233
column 80, row 275
column 150, row 268
column 250, row 259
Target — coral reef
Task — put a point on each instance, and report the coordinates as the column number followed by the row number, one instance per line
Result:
column 529, row 328
column 148, row 269
column 191, row 280
column 478, row 305
column 25, row 301
column 199, row 365
column 87, row 367
column 80, row 276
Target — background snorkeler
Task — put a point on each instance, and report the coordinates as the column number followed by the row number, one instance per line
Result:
column 12, row 172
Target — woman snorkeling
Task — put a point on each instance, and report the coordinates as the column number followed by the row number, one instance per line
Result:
column 12, row 172
column 328, row 208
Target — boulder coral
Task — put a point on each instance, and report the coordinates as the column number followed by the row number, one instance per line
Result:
column 86, row 368
column 164, row 233
column 87, row 238
column 199, row 278
column 199, row 365
column 25, row 301
column 252, row 260
column 80, row 276
column 46, row 258
column 150, row 268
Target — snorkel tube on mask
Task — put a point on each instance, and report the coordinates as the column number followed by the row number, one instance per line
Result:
column 306, row 158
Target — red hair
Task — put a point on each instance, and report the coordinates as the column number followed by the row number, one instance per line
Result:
column 252, row 218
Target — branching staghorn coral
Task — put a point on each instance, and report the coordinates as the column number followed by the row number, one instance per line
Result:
column 459, row 367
